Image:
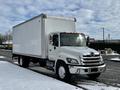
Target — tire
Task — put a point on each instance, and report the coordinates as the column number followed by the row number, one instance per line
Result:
column 62, row 72
column 93, row 76
column 23, row 62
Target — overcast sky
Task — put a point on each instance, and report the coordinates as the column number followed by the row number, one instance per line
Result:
column 92, row 15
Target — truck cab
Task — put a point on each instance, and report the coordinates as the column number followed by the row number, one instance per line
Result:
column 71, row 55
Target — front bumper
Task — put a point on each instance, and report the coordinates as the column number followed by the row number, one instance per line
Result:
column 86, row 70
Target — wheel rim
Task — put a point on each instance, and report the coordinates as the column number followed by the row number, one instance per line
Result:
column 61, row 72
column 21, row 62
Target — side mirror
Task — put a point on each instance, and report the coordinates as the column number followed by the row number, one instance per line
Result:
column 88, row 41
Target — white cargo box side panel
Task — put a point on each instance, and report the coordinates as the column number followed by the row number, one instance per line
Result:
column 27, row 38
column 59, row 25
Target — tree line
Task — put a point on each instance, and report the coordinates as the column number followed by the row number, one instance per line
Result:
column 5, row 37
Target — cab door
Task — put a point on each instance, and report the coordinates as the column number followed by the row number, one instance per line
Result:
column 53, row 46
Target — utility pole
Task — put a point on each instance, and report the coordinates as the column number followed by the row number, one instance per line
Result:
column 109, row 37
column 103, row 34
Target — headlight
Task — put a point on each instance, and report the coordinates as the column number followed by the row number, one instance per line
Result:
column 72, row 61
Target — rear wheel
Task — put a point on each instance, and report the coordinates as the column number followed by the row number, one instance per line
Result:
column 23, row 62
column 93, row 76
column 62, row 72
column 20, row 62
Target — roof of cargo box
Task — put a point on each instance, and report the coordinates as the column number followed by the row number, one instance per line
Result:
column 46, row 16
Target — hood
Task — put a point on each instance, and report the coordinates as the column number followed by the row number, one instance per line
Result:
column 80, row 50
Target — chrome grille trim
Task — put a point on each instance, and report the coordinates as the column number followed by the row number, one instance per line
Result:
column 91, row 60
column 96, row 55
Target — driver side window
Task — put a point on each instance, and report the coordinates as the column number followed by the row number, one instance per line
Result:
column 55, row 40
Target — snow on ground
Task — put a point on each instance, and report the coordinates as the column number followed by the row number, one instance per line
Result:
column 13, row 77
column 2, row 57
column 113, row 53
column 88, row 84
column 115, row 59
column 112, row 56
column 93, row 85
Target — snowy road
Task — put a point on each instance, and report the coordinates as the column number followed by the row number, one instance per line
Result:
column 13, row 77
column 104, row 82
column 81, row 81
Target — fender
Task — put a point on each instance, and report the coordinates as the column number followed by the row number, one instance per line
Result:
column 58, row 61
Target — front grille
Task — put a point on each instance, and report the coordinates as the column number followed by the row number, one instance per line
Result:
column 91, row 55
column 91, row 60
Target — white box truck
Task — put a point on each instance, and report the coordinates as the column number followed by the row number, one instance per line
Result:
column 55, row 44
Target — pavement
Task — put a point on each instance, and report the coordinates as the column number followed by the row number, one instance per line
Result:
column 13, row 77
column 110, row 77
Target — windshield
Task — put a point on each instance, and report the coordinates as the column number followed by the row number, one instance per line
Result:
column 72, row 39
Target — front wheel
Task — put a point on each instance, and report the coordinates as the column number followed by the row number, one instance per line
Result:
column 62, row 72
column 93, row 76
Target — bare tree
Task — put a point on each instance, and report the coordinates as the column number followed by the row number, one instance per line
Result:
column 7, row 36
